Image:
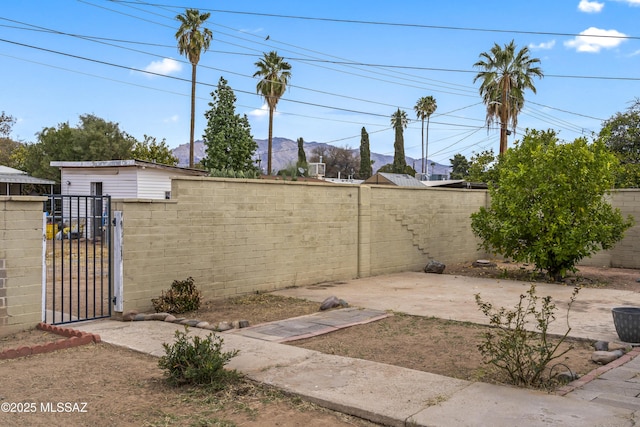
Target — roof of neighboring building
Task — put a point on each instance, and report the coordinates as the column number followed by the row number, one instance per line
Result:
column 15, row 176
column 128, row 163
column 399, row 179
column 455, row 183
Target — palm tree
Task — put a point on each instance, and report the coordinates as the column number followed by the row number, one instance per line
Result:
column 505, row 75
column 275, row 73
column 399, row 121
column 191, row 43
column 425, row 107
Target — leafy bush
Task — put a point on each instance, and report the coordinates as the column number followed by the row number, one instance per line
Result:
column 523, row 354
column 197, row 361
column 182, row 297
column 548, row 205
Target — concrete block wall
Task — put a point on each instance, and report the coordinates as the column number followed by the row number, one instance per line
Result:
column 238, row 236
column 21, row 237
column 410, row 226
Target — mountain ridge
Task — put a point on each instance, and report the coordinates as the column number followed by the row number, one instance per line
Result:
column 285, row 153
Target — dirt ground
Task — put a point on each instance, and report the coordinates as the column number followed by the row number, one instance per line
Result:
column 126, row 388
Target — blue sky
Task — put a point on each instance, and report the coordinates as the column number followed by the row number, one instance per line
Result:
column 64, row 58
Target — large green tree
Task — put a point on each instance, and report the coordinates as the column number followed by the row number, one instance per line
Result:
column 365, row 155
column 483, row 167
column 227, row 138
column 621, row 133
column 548, row 205
column 424, row 108
column 7, row 145
column 505, row 75
column 399, row 122
column 193, row 39
column 93, row 139
column 153, row 151
column 459, row 167
column 338, row 160
column 274, row 73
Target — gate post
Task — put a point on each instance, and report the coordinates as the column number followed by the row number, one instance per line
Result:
column 118, row 271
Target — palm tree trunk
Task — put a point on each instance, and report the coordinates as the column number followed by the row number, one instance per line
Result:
column 193, row 113
column 426, row 159
column 270, row 140
column 423, row 145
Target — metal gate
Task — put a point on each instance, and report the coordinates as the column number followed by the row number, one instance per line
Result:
column 77, row 283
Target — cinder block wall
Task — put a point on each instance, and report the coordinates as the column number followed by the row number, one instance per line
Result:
column 238, row 236
column 625, row 254
column 20, row 262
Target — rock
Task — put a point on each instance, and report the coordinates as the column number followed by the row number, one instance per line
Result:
column 434, row 267
column 243, row 323
column 170, row 318
column 129, row 315
column 567, row 376
column 140, row 317
column 330, row 302
column 604, row 357
column 202, row 325
column 157, row 316
column 224, row 326
column 601, row 346
column 482, row 263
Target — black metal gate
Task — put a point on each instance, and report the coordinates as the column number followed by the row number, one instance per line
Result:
column 77, row 258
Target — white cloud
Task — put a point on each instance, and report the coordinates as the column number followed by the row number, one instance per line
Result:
column 166, row 66
column 630, row 2
column 172, row 119
column 590, row 6
column 594, row 39
column 260, row 112
column 543, row 45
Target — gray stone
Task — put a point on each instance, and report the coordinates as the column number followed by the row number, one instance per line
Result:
column 190, row 322
column 604, row 357
column 330, row 302
column 601, row 345
column 157, row 316
column 140, row 317
column 170, row 318
column 434, row 267
column 567, row 376
column 224, row 326
column 202, row 325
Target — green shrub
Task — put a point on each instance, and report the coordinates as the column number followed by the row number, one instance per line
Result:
column 197, row 361
column 523, row 354
column 182, row 297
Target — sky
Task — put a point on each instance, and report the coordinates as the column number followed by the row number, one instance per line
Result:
column 354, row 64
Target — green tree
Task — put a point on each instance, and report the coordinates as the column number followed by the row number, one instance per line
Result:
column 342, row 160
column 365, row 155
column 153, row 151
column 483, row 167
column 389, row 168
column 399, row 121
column 274, row 73
column 547, row 207
column 7, row 145
column 424, row 108
column 93, row 139
column 459, row 166
column 505, row 75
column 302, row 156
column 227, row 138
column 192, row 41
column 621, row 133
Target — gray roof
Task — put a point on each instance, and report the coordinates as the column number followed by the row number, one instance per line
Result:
column 402, row 180
column 127, row 163
column 14, row 176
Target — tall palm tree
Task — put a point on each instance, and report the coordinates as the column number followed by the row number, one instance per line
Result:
column 399, row 121
column 505, row 75
column 275, row 73
column 192, row 41
column 425, row 107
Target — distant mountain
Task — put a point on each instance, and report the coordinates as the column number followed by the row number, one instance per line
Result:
column 285, row 153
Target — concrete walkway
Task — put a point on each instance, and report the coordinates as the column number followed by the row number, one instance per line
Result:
column 395, row 396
